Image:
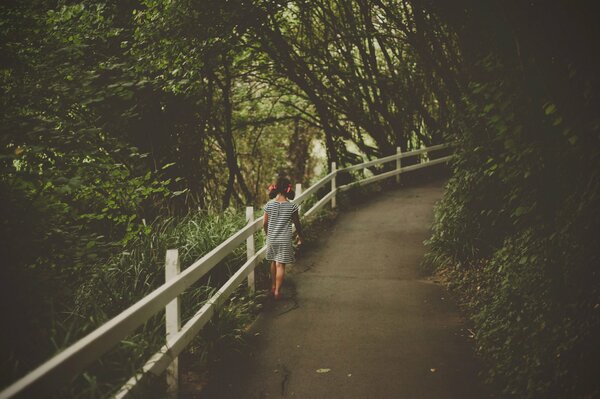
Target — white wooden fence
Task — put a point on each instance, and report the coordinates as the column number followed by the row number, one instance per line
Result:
column 63, row 367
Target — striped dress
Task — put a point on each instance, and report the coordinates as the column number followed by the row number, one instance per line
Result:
column 279, row 229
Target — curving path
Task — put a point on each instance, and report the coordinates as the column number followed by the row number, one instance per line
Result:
column 358, row 311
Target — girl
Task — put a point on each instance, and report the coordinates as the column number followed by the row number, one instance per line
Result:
column 280, row 213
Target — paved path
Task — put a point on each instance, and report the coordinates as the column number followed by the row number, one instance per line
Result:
column 358, row 308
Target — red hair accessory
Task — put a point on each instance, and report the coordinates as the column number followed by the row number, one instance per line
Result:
column 289, row 188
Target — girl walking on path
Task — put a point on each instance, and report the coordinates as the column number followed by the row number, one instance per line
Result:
column 279, row 215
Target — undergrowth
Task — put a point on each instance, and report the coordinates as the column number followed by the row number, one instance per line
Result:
column 138, row 270
column 515, row 237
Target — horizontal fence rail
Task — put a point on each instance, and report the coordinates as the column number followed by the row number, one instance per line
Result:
column 396, row 172
column 63, row 367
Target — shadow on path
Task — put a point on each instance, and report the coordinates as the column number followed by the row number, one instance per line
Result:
column 358, row 320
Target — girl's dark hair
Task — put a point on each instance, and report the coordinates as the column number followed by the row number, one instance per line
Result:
column 283, row 186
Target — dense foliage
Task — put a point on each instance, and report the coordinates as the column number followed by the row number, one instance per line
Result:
column 120, row 119
column 516, row 231
column 119, row 115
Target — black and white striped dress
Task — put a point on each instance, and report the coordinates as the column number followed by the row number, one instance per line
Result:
column 279, row 228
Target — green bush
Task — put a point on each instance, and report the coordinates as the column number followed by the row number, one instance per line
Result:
column 117, row 283
column 514, row 235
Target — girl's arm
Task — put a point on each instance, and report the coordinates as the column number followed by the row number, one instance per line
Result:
column 296, row 221
column 266, row 223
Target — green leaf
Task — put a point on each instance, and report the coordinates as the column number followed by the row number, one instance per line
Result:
column 523, row 260
column 176, row 193
column 520, row 211
column 550, row 109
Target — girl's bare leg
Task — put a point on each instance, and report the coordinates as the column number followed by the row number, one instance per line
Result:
column 279, row 277
column 273, row 275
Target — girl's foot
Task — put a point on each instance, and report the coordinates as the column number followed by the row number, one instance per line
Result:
column 277, row 295
column 273, row 291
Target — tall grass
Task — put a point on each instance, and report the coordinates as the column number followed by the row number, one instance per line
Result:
column 138, row 269
column 132, row 274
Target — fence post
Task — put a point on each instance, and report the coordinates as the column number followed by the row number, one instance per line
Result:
column 298, row 192
column 333, row 169
column 172, row 320
column 398, row 164
column 250, row 247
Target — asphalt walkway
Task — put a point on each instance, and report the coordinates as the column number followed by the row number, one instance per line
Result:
column 358, row 320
